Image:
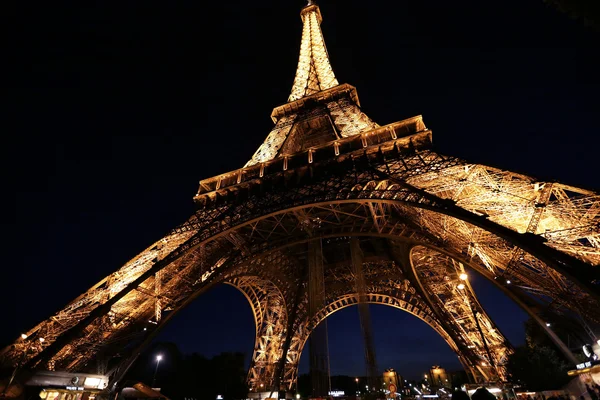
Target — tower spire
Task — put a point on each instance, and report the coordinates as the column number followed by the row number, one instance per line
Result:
column 314, row 72
column 302, row 124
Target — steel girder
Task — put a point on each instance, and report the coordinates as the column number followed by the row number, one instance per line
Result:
column 381, row 192
column 435, row 214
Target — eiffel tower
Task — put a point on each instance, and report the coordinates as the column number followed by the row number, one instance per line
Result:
column 335, row 210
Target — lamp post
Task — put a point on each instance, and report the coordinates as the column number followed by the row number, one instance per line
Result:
column 357, row 388
column 158, row 358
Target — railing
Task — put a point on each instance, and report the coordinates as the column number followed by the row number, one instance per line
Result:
column 403, row 134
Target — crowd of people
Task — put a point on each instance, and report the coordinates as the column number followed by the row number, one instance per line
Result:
column 482, row 393
column 593, row 391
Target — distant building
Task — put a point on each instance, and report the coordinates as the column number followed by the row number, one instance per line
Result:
column 391, row 378
column 438, row 377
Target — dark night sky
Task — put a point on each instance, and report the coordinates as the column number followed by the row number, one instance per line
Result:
column 116, row 110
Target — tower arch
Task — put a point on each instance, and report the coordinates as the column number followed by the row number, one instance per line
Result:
column 372, row 210
column 271, row 318
column 327, row 171
column 389, row 283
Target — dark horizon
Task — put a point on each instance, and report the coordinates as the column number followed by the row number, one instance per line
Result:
column 118, row 110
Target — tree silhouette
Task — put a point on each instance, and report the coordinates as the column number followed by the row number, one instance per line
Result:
column 537, row 364
column 192, row 376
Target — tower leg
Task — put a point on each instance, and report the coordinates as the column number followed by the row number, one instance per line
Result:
column 287, row 369
column 364, row 314
column 319, row 361
column 268, row 349
column 319, row 352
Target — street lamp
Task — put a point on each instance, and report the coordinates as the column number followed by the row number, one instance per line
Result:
column 357, row 388
column 158, row 358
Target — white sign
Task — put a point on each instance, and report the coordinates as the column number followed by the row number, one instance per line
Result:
column 337, row 393
column 92, row 382
column 584, row 365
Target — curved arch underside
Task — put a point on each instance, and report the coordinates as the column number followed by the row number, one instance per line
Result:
column 270, row 317
column 544, row 237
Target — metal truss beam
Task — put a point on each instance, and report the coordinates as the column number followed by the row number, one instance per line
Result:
column 360, row 287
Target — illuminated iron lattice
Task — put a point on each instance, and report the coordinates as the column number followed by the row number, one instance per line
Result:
column 327, row 172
